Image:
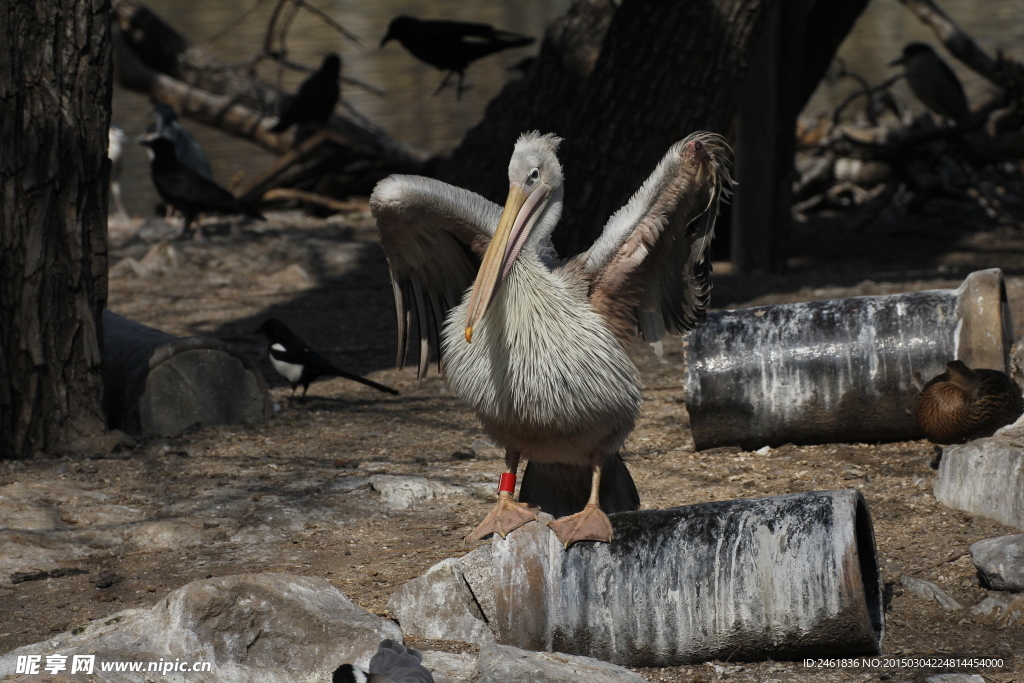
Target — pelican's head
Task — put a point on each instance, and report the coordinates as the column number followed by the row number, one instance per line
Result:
column 531, row 213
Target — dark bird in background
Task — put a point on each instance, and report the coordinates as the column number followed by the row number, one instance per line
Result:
column 116, row 142
column 393, row 663
column 186, row 190
column 450, row 45
column 933, row 82
column 314, row 103
column 296, row 362
column 963, row 404
column 166, row 125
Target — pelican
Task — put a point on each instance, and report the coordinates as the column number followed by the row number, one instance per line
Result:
column 537, row 345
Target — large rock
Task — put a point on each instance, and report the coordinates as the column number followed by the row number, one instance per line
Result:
column 447, row 667
column 985, row 477
column 1000, row 561
column 507, row 664
column 271, row 628
column 442, row 604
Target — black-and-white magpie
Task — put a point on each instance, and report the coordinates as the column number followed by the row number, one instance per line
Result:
column 299, row 364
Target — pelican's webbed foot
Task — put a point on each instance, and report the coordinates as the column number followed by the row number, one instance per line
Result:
column 590, row 524
column 505, row 516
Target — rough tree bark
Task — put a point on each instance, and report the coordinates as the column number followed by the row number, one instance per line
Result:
column 799, row 42
column 55, row 90
column 664, row 71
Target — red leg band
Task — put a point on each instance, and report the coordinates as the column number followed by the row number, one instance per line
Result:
column 507, row 483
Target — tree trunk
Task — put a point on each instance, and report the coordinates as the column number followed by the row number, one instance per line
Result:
column 664, row 71
column 55, row 91
column 799, row 41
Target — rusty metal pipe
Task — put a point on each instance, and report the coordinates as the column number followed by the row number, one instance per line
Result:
column 836, row 370
column 784, row 577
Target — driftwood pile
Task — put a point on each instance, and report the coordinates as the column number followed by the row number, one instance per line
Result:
column 349, row 156
column 872, row 152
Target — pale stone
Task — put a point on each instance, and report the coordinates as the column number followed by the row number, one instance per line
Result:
column 929, row 591
column 1000, row 561
column 261, row 628
column 506, row 664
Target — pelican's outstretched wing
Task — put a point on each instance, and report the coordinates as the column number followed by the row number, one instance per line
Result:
column 650, row 268
column 434, row 236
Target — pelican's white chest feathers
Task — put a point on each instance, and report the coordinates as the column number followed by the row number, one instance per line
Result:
column 542, row 362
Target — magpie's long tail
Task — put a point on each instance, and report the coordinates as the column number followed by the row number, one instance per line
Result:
column 338, row 372
column 562, row 490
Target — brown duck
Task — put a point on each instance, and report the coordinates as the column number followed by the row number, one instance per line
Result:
column 963, row 404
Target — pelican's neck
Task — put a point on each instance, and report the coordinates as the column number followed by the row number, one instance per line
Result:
column 547, row 221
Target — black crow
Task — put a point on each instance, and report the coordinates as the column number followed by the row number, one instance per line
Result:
column 933, row 82
column 450, row 45
column 186, row 148
column 314, row 102
column 393, row 663
column 188, row 191
column 299, row 364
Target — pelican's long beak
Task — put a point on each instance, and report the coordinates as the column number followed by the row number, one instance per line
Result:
column 505, row 246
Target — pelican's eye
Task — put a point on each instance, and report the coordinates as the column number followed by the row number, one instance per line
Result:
column 533, row 177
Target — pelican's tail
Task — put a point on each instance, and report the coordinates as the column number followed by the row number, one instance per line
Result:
column 562, row 490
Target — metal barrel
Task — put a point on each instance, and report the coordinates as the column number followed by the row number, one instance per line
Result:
column 836, row 370
column 156, row 383
column 784, row 577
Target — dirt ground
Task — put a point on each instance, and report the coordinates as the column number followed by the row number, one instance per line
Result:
column 328, row 280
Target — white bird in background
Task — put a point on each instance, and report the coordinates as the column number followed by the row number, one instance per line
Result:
column 538, row 345
column 116, row 142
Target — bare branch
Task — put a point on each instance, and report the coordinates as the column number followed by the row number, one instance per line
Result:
column 330, row 22
column 300, row 154
column 288, row 194
column 234, row 22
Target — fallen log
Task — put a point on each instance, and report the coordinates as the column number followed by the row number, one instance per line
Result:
column 218, row 111
column 156, row 383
